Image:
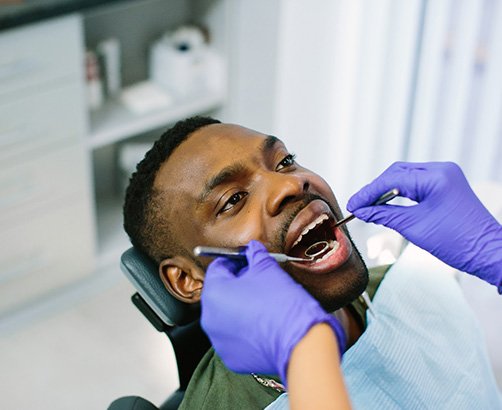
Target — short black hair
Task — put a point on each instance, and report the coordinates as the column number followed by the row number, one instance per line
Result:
column 143, row 221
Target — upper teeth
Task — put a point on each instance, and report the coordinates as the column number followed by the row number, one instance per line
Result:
column 320, row 219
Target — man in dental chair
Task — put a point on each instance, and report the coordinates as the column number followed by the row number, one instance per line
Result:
column 223, row 185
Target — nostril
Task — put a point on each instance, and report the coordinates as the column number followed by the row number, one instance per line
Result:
column 292, row 198
column 286, row 200
column 285, row 189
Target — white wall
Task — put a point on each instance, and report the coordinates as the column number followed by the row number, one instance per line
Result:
column 253, row 46
column 344, row 85
column 352, row 86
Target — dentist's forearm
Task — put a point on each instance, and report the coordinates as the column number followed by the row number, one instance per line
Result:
column 315, row 379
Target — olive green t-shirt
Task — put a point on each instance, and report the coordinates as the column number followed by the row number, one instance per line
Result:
column 213, row 386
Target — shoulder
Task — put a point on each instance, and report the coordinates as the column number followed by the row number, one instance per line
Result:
column 376, row 275
column 213, row 386
column 358, row 307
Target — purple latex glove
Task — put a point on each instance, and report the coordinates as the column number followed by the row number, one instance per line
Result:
column 255, row 314
column 448, row 220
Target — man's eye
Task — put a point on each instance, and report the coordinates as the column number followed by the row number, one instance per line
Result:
column 287, row 161
column 232, row 201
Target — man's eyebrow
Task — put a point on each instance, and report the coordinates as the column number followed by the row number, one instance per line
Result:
column 269, row 143
column 226, row 174
column 232, row 171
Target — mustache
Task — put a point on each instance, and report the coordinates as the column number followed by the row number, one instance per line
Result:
column 283, row 230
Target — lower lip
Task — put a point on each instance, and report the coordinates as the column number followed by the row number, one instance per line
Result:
column 334, row 261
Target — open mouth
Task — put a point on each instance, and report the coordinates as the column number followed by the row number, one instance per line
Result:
column 316, row 241
column 313, row 235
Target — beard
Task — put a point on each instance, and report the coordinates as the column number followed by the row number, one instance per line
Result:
column 347, row 289
column 335, row 289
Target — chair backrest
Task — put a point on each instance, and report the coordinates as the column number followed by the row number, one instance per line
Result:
column 180, row 321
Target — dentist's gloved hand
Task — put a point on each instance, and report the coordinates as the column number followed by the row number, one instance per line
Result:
column 448, row 220
column 255, row 313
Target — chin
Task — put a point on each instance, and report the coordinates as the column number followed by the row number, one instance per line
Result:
column 337, row 297
column 339, row 287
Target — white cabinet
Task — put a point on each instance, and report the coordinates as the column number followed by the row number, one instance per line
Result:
column 47, row 231
column 40, row 122
column 60, row 198
column 39, row 56
column 46, row 224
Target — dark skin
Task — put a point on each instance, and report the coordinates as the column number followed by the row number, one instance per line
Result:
column 257, row 197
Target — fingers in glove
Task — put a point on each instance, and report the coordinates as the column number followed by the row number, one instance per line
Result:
column 393, row 216
column 258, row 256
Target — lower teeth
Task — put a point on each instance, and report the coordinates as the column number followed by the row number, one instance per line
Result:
column 334, row 245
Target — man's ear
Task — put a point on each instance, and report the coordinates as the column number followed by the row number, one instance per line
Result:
column 182, row 278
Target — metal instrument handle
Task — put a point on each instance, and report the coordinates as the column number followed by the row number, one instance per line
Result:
column 380, row 201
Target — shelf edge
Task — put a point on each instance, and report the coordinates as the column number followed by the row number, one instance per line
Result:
column 108, row 135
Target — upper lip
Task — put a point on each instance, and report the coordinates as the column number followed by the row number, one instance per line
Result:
column 306, row 216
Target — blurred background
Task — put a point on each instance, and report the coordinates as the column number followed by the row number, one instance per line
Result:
column 87, row 85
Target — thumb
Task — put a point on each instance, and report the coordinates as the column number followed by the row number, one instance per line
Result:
column 257, row 254
column 219, row 275
column 223, row 268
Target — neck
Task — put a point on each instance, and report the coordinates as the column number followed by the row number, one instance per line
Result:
column 352, row 328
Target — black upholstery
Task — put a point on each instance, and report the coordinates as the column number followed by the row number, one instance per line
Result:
column 132, row 403
column 180, row 322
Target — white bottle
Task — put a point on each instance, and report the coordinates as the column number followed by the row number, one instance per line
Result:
column 109, row 51
column 94, row 85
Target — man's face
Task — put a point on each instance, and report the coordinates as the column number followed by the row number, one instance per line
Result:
column 227, row 185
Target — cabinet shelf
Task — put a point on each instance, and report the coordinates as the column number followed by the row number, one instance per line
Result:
column 114, row 122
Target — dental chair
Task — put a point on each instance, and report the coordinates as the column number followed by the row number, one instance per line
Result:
column 178, row 320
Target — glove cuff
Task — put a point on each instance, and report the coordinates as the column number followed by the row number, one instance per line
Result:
column 488, row 261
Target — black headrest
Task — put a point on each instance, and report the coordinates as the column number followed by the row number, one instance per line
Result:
column 144, row 275
column 132, row 403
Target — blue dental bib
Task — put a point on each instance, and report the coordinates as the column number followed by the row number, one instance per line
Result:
column 424, row 349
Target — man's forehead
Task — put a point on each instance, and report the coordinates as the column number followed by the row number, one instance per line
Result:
column 205, row 151
column 214, row 137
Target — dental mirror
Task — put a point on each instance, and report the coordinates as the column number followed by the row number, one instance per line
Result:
column 316, row 249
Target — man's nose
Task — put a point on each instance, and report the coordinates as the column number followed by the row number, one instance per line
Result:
column 285, row 189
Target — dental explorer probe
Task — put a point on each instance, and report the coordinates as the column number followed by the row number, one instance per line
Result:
column 238, row 253
column 380, row 201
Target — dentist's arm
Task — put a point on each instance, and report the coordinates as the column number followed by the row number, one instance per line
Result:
column 317, row 354
column 260, row 320
column 448, row 220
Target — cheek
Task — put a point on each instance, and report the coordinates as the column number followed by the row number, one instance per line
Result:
column 320, row 186
column 235, row 231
